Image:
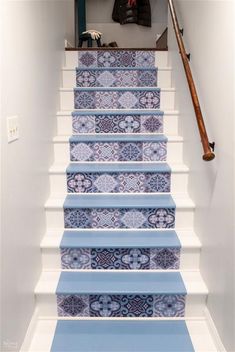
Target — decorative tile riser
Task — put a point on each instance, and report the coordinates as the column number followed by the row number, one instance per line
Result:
column 116, row 99
column 118, row 182
column 118, row 151
column 117, row 123
column 116, row 78
column 121, row 305
column 124, row 58
column 119, row 218
column 120, row 258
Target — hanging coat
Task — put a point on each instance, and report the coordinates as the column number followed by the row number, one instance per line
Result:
column 139, row 13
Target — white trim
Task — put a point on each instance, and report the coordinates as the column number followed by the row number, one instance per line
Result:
column 30, row 331
column 214, row 332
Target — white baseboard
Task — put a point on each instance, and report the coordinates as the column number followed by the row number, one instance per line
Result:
column 30, row 332
column 214, row 333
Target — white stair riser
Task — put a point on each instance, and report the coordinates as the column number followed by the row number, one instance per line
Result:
column 179, row 183
column 195, row 305
column 167, row 100
column 71, row 59
column 189, row 259
column 174, row 152
column 184, row 217
column 64, row 125
column 69, row 78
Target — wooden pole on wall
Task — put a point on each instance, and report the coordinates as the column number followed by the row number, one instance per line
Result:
column 80, row 19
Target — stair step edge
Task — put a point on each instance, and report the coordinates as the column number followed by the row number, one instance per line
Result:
column 87, row 111
column 61, row 168
column 193, row 281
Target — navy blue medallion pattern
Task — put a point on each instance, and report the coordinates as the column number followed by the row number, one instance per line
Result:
column 171, row 305
column 120, row 258
column 118, row 122
column 119, row 218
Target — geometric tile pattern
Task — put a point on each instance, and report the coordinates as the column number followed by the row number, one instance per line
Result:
column 127, row 306
column 119, row 218
column 117, row 58
column 120, row 258
column 116, row 78
column 117, row 99
column 118, row 151
column 132, row 182
column 132, row 123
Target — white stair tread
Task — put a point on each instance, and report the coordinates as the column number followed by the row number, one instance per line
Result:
column 61, row 168
column 53, row 238
column 193, row 282
column 181, row 200
column 198, row 330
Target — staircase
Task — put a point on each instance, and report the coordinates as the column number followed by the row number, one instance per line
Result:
column 120, row 256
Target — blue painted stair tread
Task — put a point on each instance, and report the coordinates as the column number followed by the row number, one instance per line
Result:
column 120, row 239
column 117, row 112
column 117, row 122
column 120, row 250
column 116, row 58
column 117, row 167
column 116, row 77
column 118, row 138
column 119, row 201
column 121, row 336
column 118, row 148
column 119, row 211
column 121, row 283
column 117, row 98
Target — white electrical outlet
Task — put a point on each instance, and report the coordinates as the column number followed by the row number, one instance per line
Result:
column 12, row 128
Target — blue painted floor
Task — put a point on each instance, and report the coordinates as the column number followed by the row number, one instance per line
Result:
column 121, row 336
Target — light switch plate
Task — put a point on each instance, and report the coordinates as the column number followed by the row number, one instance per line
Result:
column 12, row 128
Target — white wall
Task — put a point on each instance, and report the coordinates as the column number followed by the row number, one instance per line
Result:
column 99, row 17
column 32, row 53
column 208, row 28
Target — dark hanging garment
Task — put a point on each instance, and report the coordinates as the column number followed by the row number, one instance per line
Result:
column 139, row 13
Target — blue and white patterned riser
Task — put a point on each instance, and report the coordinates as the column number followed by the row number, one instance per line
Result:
column 116, row 58
column 129, row 250
column 113, row 77
column 116, row 122
column 117, row 98
column 125, row 306
column 118, row 148
column 117, row 295
column 120, row 258
column 118, row 178
column 119, row 211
